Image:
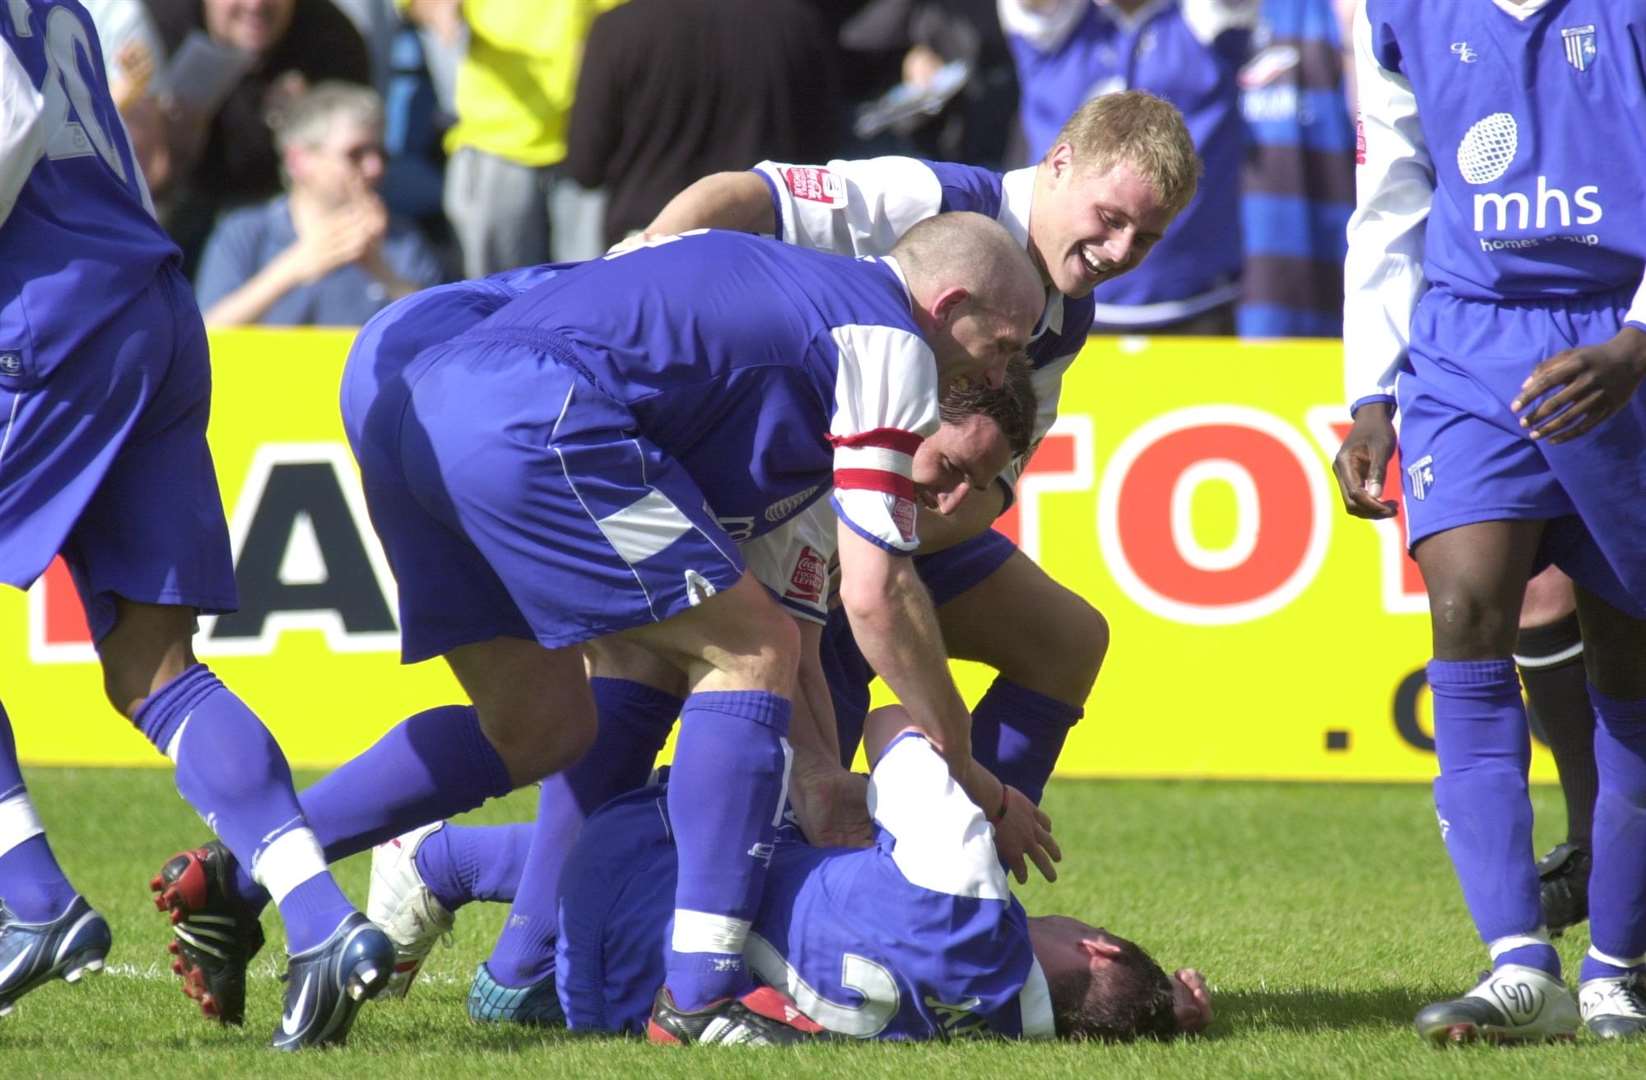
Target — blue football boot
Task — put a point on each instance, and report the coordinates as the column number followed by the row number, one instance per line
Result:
column 69, row 946
column 537, row 1005
column 326, row 984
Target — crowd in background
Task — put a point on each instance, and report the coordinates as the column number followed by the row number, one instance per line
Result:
column 316, row 159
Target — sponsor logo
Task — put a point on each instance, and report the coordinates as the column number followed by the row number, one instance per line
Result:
column 1580, row 45
column 293, row 1020
column 1485, row 154
column 1422, row 474
column 903, row 513
column 787, row 505
column 698, row 587
column 811, row 573
column 816, row 185
column 1520, row 1000
column 1464, row 53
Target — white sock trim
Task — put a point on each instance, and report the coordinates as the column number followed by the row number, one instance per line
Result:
column 293, row 858
column 1540, row 936
column 698, row 931
column 18, row 821
column 1616, row 961
column 176, row 742
column 1534, row 662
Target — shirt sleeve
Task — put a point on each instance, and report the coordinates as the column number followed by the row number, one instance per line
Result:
column 24, row 128
column 850, row 207
column 1636, row 315
column 1394, row 189
column 940, row 839
column 1044, row 27
column 885, row 405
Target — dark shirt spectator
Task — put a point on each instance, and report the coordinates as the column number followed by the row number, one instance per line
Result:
column 229, row 158
column 327, row 254
column 672, row 90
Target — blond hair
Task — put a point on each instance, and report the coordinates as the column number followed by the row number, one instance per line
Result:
column 1140, row 130
column 307, row 119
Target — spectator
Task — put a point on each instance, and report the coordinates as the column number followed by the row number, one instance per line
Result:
column 977, row 125
column 1188, row 52
column 223, row 151
column 673, row 90
column 131, row 55
column 327, row 253
column 514, row 94
column 1299, row 185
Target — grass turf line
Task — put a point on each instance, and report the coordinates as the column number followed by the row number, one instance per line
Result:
column 1324, row 916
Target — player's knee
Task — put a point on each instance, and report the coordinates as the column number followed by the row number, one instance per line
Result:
column 1470, row 627
column 765, row 652
column 1060, row 652
column 536, row 741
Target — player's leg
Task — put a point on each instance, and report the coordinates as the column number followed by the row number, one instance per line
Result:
column 1476, row 575
column 637, row 698
column 1611, row 995
column 1549, row 653
column 46, row 930
column 1047, row 644
column 726, row 794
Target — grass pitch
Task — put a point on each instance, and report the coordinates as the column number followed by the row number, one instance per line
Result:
column 1323, row 915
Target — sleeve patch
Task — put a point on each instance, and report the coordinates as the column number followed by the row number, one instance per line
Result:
column 816, row 184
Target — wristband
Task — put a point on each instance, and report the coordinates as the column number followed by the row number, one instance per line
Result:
column 1000, row 815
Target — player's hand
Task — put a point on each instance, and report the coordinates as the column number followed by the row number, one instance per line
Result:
column 1023, row 836
column 1362, row 461
column 1191, row 1001
column 1581, row 387
column 832, row 808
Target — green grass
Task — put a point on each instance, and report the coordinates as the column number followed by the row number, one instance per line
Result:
column 1323, row 915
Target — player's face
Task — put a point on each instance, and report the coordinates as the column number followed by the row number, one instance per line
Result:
column 1094, row 225
column 959, row 458
column 252, row 25
column 982, row 340
column 346, row 163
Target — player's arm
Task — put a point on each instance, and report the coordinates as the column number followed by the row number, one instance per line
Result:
column 829, row 800
column 24, row 128
column 944, row 839
column 729, row 200
column 1383, row 271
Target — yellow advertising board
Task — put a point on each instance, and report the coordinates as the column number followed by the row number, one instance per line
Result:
column 1258, row 631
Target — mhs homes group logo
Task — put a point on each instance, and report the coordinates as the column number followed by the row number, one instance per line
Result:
column 1487, row 150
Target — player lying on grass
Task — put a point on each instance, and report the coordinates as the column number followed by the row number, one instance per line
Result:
column 916, row 937
column 410, row 774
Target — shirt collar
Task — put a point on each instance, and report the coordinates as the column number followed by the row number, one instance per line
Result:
column 1016, row 199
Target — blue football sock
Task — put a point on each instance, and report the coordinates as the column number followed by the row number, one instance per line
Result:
column 634, row 722
column 726, row 792
column 430, row 766
column 231, row 771
column 32, row 885
column 1017, row 734
column 1484, row 749
column 460, row 863
column 1617, row 884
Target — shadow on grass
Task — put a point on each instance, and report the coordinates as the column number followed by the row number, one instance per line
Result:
column 1309, row 1008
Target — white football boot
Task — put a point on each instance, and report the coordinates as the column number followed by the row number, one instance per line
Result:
column 1512, row 1004
column 404, row 907
column 1614, row 1008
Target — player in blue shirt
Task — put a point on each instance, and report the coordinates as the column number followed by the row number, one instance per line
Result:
column 1092, row 210
column 947, row 952
column 104, row 395
column 1497, row 299
column 545, row 479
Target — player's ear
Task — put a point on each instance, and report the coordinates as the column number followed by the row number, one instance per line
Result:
column 1060, row 161
column 1099, row 950
column 950, row 303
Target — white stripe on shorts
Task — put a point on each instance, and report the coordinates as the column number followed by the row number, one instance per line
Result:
column 644, row 527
